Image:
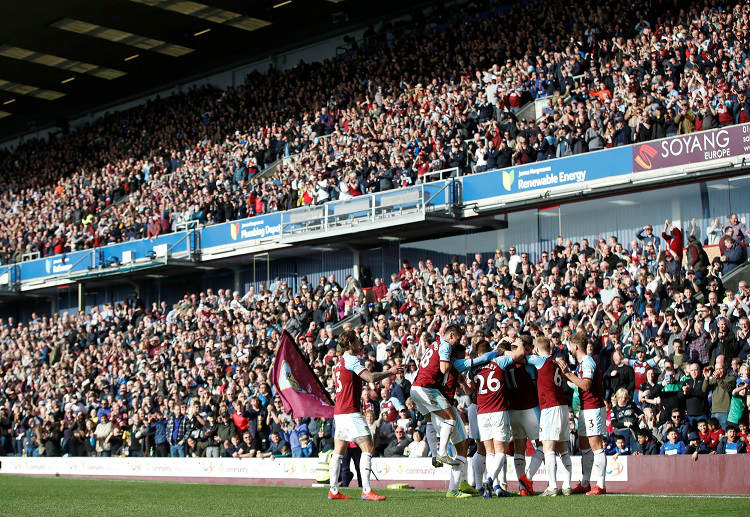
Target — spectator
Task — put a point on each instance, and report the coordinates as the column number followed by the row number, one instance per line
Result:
column 695, row 446
column 721, row 386
column 619, row 447
column 417, row 448
column 398, row 444
column 246, row 448
column 673, row 445
column 739, row 230
column 306, row 449
column 695, row 399
column 733, row 255
column 274, row 446
column 625, row 415
column 103, row 434
column 731, row 443
column 650, row 237
column 738, row 405
column 645, row 445
column 177, row 431
column 619, row 375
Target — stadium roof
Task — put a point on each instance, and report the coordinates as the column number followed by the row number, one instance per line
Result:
column 60, row 59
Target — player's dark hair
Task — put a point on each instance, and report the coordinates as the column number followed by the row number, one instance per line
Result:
column 454, row 329
column 482, row 347
column 346, row 338
column 458, row 351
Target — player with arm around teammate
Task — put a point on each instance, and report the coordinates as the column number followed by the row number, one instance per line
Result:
column 427, row 393
column 348, row 375
column 434, row 364
column 478, row 461
column 524, row 416
column 554, row 429
column 458, row 485
column 492, row 414
column 591, row 418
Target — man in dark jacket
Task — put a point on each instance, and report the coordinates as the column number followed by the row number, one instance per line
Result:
column 619, row 375
column 397, row 445
column 645, row 445
column 491, row 155
column 697, row 259
column 386, row 179
column 695, row 400
column 622, row 133
column 505, row 155
column 658, row 125
column 733, row 256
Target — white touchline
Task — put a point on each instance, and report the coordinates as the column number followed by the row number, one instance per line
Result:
column 678, row 496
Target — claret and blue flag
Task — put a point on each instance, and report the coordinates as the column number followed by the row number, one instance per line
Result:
column 294, row 380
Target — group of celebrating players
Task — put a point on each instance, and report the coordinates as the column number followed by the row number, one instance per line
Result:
column 517, row 390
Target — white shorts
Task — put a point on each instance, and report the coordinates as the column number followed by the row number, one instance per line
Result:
column 554, row 424
column 473, row 425
column 350, row 426
column 459, row 431
column 524, row 423
column 591, row 422
column 428, row 400
column 494, row 426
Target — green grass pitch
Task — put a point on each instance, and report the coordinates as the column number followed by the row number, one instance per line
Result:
column 35, row 496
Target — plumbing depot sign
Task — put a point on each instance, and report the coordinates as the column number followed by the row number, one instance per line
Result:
column 703, row 146
column 256, row 469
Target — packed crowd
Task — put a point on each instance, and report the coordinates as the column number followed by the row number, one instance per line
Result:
column 414, row 98
column 193, row 378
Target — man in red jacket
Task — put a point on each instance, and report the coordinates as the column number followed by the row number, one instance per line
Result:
column 674, row 240
column 379, row 290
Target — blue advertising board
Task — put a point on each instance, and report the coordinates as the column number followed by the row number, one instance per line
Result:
column 58, row 264
column 548, row 174
column 245, row 231
column 141, row 248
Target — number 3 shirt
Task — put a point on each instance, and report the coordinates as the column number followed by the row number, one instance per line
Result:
column 348, row 384
column 594, row 397
column 549, row 382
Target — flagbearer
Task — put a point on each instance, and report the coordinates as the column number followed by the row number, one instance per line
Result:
column 348, row 375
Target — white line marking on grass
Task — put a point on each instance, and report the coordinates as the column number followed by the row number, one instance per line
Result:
column 682, row 496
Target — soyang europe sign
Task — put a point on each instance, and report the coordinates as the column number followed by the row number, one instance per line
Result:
column 695, row 147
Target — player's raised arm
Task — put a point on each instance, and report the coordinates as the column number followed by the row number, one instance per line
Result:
column 517, row 353
column 463, row 365
column 368, row 376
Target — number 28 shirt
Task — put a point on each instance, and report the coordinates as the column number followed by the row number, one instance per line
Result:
column 429, row 374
